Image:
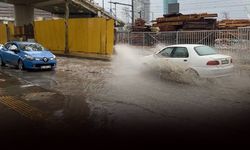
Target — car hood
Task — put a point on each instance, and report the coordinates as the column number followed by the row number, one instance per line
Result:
column 149, row 57
column 39, row 53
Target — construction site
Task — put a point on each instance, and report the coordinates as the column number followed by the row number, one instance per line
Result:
column 103, row 93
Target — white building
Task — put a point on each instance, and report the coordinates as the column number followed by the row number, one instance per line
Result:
column 142, row 9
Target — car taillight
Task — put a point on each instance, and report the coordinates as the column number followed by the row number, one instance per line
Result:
column 213, row 63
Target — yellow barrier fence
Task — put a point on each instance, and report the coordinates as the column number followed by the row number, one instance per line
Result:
column 11, row 28
column 50, row 33
column 3, row 33
column 86, row 35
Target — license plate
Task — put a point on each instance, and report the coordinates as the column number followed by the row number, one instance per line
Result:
column 45, row 67
column 225, row 61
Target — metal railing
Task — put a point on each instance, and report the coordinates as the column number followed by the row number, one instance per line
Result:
column 234, row 42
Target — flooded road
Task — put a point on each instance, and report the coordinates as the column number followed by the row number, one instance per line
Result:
column 123, row 98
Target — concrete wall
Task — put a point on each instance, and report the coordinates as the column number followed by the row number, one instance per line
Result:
column 7, row 12
column 24, row 14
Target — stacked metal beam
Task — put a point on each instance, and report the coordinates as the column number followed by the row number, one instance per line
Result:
column 233, row 24
column 176, row 22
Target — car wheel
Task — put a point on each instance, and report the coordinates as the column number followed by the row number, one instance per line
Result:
column 191, row 75
column 1, row 62
column 20, row 65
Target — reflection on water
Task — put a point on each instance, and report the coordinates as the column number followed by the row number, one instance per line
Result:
column 121, row 93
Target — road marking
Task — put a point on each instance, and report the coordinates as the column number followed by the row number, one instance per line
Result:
column 23, row 108
column 2, row 80
column 28, row 85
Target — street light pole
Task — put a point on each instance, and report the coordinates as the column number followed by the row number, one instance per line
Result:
column 140, row 13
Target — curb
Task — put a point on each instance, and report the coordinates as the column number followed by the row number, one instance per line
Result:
column 84, row 55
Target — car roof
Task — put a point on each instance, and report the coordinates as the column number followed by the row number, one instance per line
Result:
column 185, row 45
column 18, row 42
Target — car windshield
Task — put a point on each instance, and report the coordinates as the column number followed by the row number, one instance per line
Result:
column 205, row 50
column 32, row 47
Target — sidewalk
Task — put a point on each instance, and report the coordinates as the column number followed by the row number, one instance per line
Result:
column 30, row 112
column 27, row 99
column 84, row 55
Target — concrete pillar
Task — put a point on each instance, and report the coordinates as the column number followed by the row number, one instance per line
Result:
column 24, row 14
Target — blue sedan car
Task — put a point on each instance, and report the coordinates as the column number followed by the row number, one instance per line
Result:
column 27, row 55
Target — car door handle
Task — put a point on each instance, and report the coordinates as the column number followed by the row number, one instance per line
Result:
column 185, row 60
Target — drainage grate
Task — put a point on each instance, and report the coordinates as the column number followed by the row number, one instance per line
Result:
column 23, row 108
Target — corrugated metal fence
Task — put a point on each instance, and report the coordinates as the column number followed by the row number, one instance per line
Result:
column 86, row 35
column 3, row 33
column 234, row 42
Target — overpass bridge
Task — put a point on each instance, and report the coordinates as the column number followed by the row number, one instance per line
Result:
column 24, row 9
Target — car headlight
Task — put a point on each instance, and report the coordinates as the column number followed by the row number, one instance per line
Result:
column 53, row 58
column 29, row 57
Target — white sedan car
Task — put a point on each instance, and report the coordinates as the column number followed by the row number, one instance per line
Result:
column 198, row 60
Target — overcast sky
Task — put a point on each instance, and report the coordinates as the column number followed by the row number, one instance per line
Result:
column 234, row 8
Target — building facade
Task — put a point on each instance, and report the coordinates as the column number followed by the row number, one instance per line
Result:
column 166, row 5
column 142, row 9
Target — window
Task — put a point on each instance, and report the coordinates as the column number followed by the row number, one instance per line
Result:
column 180, row 52
column 7, row 45
column 166, row 52
column 205, row 50
column 12, row 47
column 32, row 47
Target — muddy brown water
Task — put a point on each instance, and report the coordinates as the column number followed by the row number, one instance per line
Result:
column 122, row 97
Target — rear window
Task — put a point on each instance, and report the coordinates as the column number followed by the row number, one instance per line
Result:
column 205, row 50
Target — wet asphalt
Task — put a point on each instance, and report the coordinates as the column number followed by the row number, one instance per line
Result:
column 117, row 100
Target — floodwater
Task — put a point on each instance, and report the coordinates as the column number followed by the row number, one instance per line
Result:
column 125, row 98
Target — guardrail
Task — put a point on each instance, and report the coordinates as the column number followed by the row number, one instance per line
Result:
column 234, row 42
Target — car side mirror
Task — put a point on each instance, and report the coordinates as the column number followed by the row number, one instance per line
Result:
column 156, row 55
column 165, row 55
column 15, row 50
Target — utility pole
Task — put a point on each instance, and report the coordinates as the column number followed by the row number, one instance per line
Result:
column 66, row 21
column 130, row 5
column 153, row 16
column 248, row 12
column 133, row 13
column 115, row 11
column 103, row 5
column 110, row 10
